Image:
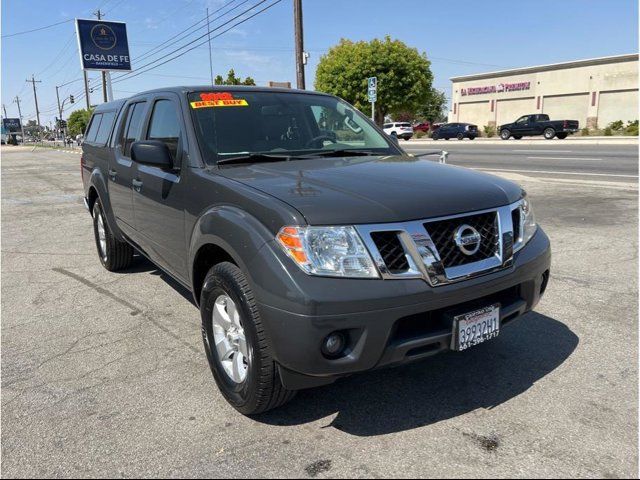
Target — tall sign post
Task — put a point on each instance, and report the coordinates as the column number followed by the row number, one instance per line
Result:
column 103, row 46
column 372, row 92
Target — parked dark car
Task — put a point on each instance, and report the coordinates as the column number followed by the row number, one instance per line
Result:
column 456, row 130
column 538, row 124
column 312, row 253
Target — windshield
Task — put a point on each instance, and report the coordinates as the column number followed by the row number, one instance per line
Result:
column 233, row 123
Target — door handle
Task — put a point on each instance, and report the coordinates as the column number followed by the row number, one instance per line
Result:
column 137, row 185
column 113, row 174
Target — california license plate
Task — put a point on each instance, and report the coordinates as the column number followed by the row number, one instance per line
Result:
column 473, row 328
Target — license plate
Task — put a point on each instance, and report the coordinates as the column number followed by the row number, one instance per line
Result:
column 473, row 328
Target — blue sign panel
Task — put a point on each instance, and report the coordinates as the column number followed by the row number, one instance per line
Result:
column 103, row 45
column 10, row 125
column 372, row 91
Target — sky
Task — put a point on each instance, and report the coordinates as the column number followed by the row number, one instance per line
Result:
column 459, row 38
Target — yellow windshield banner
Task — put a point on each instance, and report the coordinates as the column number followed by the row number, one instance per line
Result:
column 236, row 102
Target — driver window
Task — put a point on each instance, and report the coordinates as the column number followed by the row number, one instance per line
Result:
column 524, row 119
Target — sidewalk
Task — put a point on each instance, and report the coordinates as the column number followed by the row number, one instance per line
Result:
column 619, row 140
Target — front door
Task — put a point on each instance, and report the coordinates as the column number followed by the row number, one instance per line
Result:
column 158, row 194
column 522, row 126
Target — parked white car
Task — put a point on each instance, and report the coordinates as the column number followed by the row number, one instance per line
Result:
column 398, row 130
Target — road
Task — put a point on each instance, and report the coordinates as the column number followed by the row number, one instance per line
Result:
column 598, row 162
column 104, row 375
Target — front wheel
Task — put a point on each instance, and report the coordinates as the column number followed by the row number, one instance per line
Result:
column 236, row 345
column 460, row 136
column 549, row 133
column 505, row 134
column 114, row 254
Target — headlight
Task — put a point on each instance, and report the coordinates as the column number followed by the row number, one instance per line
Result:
column 328, row 251
column 529, row 225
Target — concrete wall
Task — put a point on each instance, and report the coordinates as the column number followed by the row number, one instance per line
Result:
column 594, row 92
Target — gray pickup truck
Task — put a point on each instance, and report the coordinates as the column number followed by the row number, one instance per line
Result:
column 314, row 246
column 538, row 124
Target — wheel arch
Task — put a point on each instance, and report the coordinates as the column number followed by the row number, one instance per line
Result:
column 224, row 233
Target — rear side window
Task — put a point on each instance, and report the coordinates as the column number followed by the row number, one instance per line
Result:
column 165, row 126
column 387, row 125
column 404, row 124
column 92, row 131
column 104, row 130
column 133, row 127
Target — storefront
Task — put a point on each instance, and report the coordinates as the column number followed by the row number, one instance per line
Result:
column 595, row 92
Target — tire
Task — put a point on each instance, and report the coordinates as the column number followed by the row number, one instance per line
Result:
column 460, row 136
column 561, row 136
column 518, row 137
column 549, row 133
column 261, row 388
column 114, row 254
column 505, row 134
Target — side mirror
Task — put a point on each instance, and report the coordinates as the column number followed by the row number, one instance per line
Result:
column 151, row 152
column 394, row 139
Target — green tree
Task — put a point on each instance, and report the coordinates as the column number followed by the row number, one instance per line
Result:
column 404, row 75
column 435, row 110
column 78, row 121
column 233, row 80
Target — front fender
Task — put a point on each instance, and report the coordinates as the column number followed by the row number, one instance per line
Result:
column 240, row 234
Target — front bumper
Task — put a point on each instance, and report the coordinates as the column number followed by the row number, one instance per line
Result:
column 392, row 321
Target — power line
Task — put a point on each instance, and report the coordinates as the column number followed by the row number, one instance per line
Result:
column 37, row 29
column 132, row 75
column 183, row 35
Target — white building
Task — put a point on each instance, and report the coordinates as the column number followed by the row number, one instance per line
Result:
column 595, row 92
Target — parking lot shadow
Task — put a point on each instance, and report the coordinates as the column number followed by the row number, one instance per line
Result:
column 438, row 388
column 143, row 265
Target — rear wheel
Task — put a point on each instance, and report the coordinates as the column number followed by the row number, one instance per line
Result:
column 561, row 136
column 237, row 349
column 460, row 136
column 549, row 133
column 114, row 255
column 505, row 134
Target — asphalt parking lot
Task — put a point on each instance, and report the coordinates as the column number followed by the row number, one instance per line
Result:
column 104, row 375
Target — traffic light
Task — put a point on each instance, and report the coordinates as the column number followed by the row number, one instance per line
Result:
column 71, row 99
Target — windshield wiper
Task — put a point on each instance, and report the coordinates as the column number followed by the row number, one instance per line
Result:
column 342, row 152
column 254, row 158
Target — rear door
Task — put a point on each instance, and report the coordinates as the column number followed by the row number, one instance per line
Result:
column 121, row 168
column 158, row 194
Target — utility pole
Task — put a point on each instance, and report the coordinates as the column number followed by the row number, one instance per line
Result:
column 210, row 59
column 17, row 100
column 86, row 90
column 299, row 39
column 99, row 14
column 33, row 81
column 59, row 108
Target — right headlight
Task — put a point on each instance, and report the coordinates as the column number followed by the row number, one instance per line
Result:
column 528, row 223
column 328, row 251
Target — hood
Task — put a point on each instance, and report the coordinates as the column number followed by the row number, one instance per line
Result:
column 357, row 190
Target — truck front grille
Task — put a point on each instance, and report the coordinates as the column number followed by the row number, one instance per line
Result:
column 443, row 232
column 391, row 251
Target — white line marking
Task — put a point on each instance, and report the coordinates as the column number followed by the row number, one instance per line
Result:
column 543, row 151
column 557, row 173
column 564, row 158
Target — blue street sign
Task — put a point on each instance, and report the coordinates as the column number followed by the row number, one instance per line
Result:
column 103, row 45
column 372, row 92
